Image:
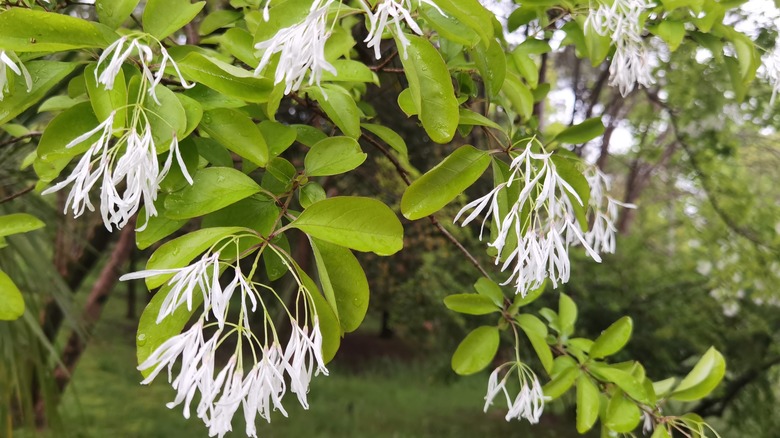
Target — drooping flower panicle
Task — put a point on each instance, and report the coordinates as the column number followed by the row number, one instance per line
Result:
column 130, row 159
column 254, row 383
column 621, row 21
column 528, row 403
column 301, row 49
column 388, row 13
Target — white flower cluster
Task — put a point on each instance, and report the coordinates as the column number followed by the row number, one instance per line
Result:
column 9, row 60
column 120, row 50
column 540, row 222
column 137, row 167
column 126, row 155
column 387, row 13
column 255, row 382
column 601, row 236
column 621, row 21
column 301, row 49
column 529, row 402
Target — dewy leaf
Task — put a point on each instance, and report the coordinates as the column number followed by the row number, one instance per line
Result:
column 237, row 132
column 491, row 63
column 581, row 133
column 613, row 339
column 476, row 351
column 344, row 282
column 17, row 223
column 388, row 136
column 45, row 75
column 472, row 14
column 213, row 188
column 164, row 17
column 363, row 224
column 224, row 78
column 53, row 156
column 333, row 156
column 11, row 300
column 471, row 304
column 339, row 106
column 113, row 13
column 431, row 88
column 182, row 250
column 587, row 403
column 27, row 30
column 703, row 378
column 440, row 185
column 623, row 415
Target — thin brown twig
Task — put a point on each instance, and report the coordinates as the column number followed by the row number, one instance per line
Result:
column 16, row 195
column 13, row 140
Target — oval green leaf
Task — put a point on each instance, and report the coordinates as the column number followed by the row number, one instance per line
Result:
column 613, row 339
column 476, row 351
column 213, row 188
column 333, row 156
column 237, row 132
column 11, row 300
column 587, row 403
column 17, row 223
column 470, row 304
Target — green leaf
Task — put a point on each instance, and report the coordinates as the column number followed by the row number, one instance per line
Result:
column 193, row 112
column 236, row 131
column 581, row 133
column 529, row 297
column 257, row 212
column 472, row 14
column 623, row 415
column 567, row 170
column 219, row 19
column 181, row 251
column 561, row 382
column 113, row 13
column 623, row 379
column 520, row 97
column 672, row 32
column 488, row 288
column 224, row 78
column 388, row 136
column 449, row 27
column 440, row 185
column 164, row 17
column 278, row 136
column 431, row 88
column 567, row 314
column 703, row 378
column 363, row 224
column 11, row 300
column 44, row 74
column 339, row 106
column 407, row 103
column 17, row 223
column 166, row 118
column 333, row 156
column 308, row 135
column 213, row 188
column 596, row 44
column 471, row 304
column 468, row 117
column 536, row 332
column 350, row 71
column 491, row 63
column 157, row 227
column 587, row 403
column 663, row 387
column 344, row 283
column 661, row 432
column 53, row 156
column 28, row 30
column 476, row 351
column 310, row 193
column 613, row 339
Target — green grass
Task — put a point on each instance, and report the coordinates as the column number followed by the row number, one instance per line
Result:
column 385, row 399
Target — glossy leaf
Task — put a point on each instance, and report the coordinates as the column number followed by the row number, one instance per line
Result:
column 339, row 106
column 623, row 415
column 567, row 314
column 476, row 351
column 440, row 185
column 588, row 403
column 224, row 78
column 113, row 13
column 344, row 283
column 471, row 304
column 582, row 132
column 490, row 289
column 363, row 224
column 536, row 332
column 17, row 223
column 388, row 136
column 164, row 17
column 236, row 131
column 45, row 74
column 213, row 188
column 613, row 339
column 703, row 378
column 333, row 156
column 431, row 89
column 28, row 30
